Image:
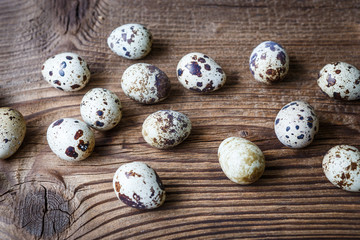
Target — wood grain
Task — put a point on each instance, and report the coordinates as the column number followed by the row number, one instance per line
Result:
column 43, row 197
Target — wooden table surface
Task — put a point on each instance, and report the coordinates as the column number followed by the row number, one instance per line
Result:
column 43, row 197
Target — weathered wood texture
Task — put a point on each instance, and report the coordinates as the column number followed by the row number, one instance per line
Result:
column 44, row 197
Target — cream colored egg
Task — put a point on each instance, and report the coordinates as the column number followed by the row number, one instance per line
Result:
column 241, row 160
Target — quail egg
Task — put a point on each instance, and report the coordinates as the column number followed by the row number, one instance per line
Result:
column 269, row 62
column 70, row 139
column 132, row 41
column 138, row 185
column 340, row 80
column 296, row 124
column 341, row 166
column 12, row 131
column 145, row 83
column 166, row 128
column 198, row 72
column 66, row 71
column 101, row 109
column 241, row 160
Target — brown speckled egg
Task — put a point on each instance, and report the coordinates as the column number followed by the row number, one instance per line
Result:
column 70, row 139
column 241, row 160
column 145, row 83
column 166, row 128
column 66, row 71
column 340, row 80
column 12, row 131
column 296, row 124
column 341, row 165
column 200, row 73
column 137, row 185
column 269, row 62
column 131, row 41
column 101, row 109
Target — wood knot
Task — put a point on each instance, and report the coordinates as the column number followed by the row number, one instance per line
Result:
column 70, row 14
column 243, row 133
column 44, row 213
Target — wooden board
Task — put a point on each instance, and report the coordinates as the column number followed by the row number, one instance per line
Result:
column 43, row 197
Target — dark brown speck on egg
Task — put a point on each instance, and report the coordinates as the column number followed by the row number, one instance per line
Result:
column 70, row 151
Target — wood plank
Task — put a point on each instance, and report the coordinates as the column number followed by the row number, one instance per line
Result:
column 43, row 197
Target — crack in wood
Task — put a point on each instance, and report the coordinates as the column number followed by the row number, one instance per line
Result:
column 45, row 211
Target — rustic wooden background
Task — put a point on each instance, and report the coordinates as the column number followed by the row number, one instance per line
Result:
column 43, row 197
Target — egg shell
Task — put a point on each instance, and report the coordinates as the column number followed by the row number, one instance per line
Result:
column 66, row 71
column 296, row 124
column 138, row 185
column 101, row 109
column 200, row 73
column 132, row 41
column 70, row 139
column 340, row 80
column 269, row 62
column 166, row 128
column 12, row 131
column 241, row 160
column 145, row 83
column 341, row 166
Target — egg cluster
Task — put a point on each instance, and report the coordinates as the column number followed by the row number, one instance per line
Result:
column 137, row 184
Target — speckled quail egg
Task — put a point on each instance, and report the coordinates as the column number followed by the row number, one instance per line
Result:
column 269, row 62
column 145, row 83
column 200, row 73
column 12, row 131
column 70, row 139
column 137, row 185
column 166, row 128
column 340, row 80
column 101, row 109
column 241, row 160
column 341, row 165
column 66, row 71
column 296, row 124
column 132, row 41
